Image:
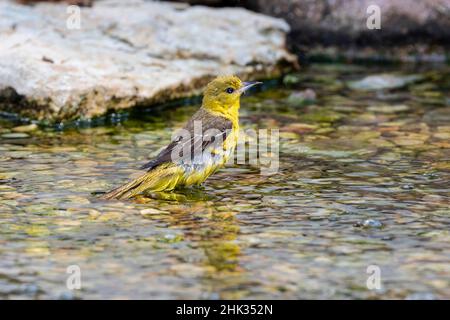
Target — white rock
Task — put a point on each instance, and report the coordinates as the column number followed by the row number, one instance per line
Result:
column 383, row 81
column 127, row 53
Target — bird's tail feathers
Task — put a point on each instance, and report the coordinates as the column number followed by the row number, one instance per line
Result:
column 163, row 178
column 120, row 191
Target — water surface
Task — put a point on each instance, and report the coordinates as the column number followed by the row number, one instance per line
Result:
column 363, row 180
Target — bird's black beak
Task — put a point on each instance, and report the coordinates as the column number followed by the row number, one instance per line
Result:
column 247, row 85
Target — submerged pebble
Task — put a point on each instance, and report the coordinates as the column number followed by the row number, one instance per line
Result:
column 25, row 128
column 383, row 81
column 151, row 211
column 370, row 223
column 421, row 296
column 16, row 135
column 389, row 108
column 302, row 98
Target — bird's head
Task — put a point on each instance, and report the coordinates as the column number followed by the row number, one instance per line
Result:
column 224, row 92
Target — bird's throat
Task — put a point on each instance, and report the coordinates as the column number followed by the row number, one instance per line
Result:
column 229, row 112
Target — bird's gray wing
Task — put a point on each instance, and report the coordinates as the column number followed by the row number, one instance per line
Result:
column 214, row 130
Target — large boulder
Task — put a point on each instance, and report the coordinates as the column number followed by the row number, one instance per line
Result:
column 127, row 53
column 409, row 29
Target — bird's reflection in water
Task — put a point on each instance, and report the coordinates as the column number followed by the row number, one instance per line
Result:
column 182, row 196
column 195, row 212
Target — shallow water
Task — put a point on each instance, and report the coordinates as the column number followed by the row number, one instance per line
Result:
column 363, row 180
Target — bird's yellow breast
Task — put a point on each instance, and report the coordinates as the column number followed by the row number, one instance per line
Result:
column 211, row 160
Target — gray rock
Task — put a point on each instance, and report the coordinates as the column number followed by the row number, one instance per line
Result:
column 127, row 53
column 14, row 135
column 388, row 109
column 383, row 81
column 410, row 29
column 371, row 223
column 300, row 98
column 421, row 296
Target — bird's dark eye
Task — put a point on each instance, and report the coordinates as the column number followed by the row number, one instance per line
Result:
column 229, row 90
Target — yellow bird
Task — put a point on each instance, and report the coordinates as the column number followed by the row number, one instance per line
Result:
column 199, row 149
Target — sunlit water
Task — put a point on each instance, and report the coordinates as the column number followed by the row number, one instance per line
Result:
column 363, row 180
